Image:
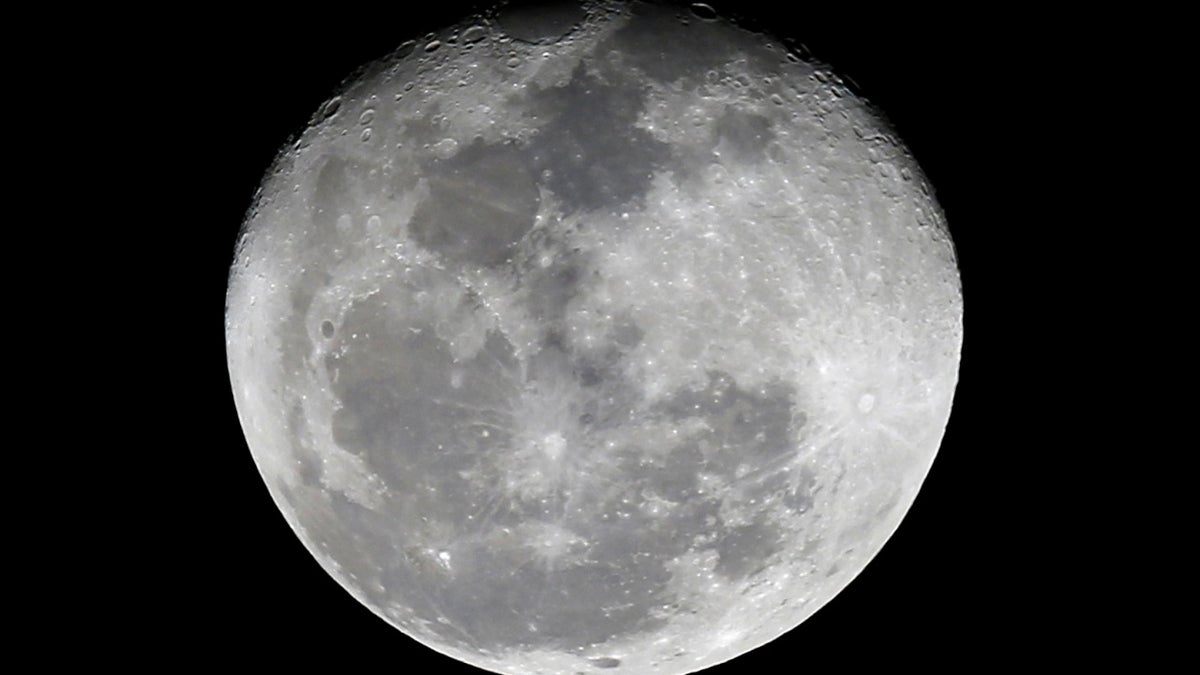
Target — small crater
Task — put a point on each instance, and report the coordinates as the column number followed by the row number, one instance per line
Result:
column 866, row 403
column 445, row 148
column 406, row 48
column 327, row 329
column 331, row 107
column 474, row 34
column 605, row 662
column 704, row 12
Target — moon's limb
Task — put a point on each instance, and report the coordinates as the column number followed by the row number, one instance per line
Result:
column 625, row 357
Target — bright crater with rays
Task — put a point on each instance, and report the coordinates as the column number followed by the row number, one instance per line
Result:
column 609, row 338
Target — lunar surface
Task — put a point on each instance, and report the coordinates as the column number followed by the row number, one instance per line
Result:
column 598, row 338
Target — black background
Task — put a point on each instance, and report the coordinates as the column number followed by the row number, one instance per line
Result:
column 950, row 588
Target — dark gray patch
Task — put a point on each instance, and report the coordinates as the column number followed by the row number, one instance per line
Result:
column 765, row 487
column 651, row 42
column 358, row 538
column 493, row 373
column 746, row 427
column 538, row 21
column 373, row 533
column 482, row 201
column 888, row 505
column 675, row 479
column 746, row 134
column 599, row 368
column 689, row 521
column 550, row 289
column 399, row 411
column 625, row 534
column 379, row 417
column 802, row 496
column 501, row 599
column 425, row 129
column 373, row 545
column 327, row 329
column 340, row 189
column 608, row 398
column 611, row 398
column 336, row 192
column 625, row 332
column 552, row 362
column 295, row 333
column 589, row 374
column 605, row 662
column 715, row 398
column 308, row 461
column 744, row 550
column 760, row 422
column 799, row 419
column 595, row 156
column 690, row 167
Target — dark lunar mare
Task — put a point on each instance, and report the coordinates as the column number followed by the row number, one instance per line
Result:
column 402, row 415
column 481, row 203
column 590, row 153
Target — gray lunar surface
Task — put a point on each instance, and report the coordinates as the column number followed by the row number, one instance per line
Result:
column 613, row 338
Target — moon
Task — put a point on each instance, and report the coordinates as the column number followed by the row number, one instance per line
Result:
column 597, row 337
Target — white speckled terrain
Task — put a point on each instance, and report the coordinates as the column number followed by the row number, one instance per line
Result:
column 595, row 341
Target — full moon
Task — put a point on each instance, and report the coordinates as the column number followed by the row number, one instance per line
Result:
column 597, row 337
